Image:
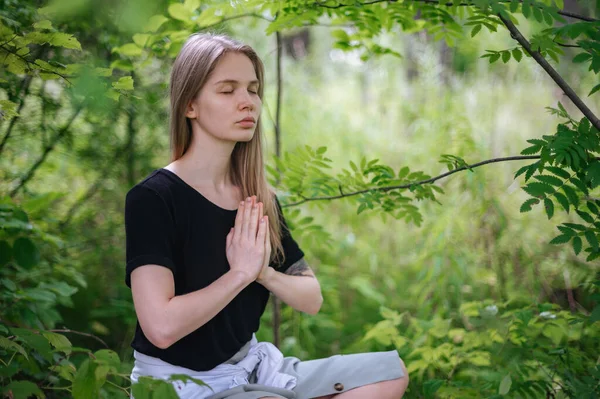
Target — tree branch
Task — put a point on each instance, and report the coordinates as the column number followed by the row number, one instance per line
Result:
column 22, row 94
column 419, row 183
column 450, row 4
column 45, row 153
column 515, row 34
column 275, row 300
column 80, row 333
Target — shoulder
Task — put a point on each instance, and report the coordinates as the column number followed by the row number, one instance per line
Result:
column 158, row 189
column 157, row 183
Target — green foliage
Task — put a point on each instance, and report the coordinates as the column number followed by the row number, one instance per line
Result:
column 455, row 343
column 537, row 347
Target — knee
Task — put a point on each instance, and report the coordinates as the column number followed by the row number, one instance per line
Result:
column 402, row 382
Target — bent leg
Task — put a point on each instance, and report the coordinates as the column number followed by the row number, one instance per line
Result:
column 390, row 389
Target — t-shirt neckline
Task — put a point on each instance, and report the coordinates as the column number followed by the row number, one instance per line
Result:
column 183, row 182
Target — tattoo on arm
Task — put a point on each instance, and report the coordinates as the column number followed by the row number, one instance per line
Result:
column 299, row 268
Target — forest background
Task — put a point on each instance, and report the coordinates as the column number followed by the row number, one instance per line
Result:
column 365, row 103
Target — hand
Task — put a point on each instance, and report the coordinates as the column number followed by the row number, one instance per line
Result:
column 265, row 271
column 246, row 245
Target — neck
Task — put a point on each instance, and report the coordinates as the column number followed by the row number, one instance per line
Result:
column 206, row 163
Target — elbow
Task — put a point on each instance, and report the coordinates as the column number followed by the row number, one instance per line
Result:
column 160, row 337
column 316, row 306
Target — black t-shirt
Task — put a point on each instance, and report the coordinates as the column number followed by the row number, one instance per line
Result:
column 169, row 223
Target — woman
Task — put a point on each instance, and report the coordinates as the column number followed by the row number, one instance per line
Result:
column 207, row 244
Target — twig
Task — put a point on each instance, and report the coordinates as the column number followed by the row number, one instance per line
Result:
column 276, row 302
column 419, row 183
column 80, row 333
column 22, row 94
column 516, row 34
column 47, row 150
column 451, row 4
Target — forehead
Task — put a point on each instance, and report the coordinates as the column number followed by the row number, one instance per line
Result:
column 233, row 66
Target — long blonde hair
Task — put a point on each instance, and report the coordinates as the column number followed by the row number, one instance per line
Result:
column 191, row 69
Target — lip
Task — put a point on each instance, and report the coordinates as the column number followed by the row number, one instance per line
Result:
column 247, row 119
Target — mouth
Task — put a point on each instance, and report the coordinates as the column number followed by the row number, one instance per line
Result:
column 247, row 119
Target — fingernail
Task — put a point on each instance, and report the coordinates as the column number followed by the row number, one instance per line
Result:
column 242, row 203
column 249, row 199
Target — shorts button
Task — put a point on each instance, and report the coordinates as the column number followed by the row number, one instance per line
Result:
column 338, row 387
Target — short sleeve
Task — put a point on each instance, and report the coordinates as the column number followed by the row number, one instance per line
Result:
column 149, row 231
column 291, row 249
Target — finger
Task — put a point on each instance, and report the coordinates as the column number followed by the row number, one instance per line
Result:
column 238, row 220
column 246, row 217
column 229, row 238
column 268, row 236
column 262, row 230
column 253, row 223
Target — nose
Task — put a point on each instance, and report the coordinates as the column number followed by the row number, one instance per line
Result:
column 245, row 101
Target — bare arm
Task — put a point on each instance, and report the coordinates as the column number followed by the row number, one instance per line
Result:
column 298, row 287
column 166, row 318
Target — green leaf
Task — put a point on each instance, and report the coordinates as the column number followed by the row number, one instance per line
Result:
column 505, row 56
column 34, row 340
column 129, row 50
column 517, row 54
column 585, row 216
column 581, row 57
column 526, row 206
column 45, row 24
column 180, row 12
column 475, row 30
column 154, row 23
column 571, row 195
column 6, row 343
column 562, row 200
column 560, row 239
column 549, row 207
column 505, row 385
column 141, row 39
column 8, row 108
column 538, row 189
column 594, row 89
column 26, row 253
column 534, row 149
column 548, row 179
column 124, row 83
column 577, row 244
column 591, row 237
column 84, row 384
column 58, row 341
column 108, row 357
column 558, row 172
column 22, row 390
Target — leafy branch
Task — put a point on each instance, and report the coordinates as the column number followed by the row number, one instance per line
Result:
column 516, row 34
column 410, row 185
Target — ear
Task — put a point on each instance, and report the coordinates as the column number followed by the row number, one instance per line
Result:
column 190, row 111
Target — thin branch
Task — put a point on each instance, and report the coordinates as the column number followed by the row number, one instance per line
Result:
column 81, row 333
column 37, row 67
column 451, row 4
column 516, row 34
column 275, row 300
column 22, row 94
column 419, row 183
column 97, row 184
column 45, row 153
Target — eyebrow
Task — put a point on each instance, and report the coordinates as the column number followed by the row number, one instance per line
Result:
column 233, row 81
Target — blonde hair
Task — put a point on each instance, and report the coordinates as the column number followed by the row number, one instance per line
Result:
column 191, row 70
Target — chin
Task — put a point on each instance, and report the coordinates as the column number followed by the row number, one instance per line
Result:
column 245, row 136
